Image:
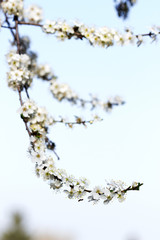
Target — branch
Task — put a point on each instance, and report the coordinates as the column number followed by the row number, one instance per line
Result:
column 18, row 51
column 9, row 26
column 38, row 121
column 17, row 34
column 29, row 23
column 103, row 36
column 79, row 121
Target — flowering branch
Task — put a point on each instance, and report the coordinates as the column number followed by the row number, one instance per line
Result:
column 103, row 37
column 23, row 68
column 78, row 121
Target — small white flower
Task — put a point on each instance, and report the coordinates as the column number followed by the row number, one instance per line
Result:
column 71, row 193
column 49, row 27
column 121, row 197
column 38, row 128
column 39, row 146
column 40, row 116
column 28, row 109
column 38, row 157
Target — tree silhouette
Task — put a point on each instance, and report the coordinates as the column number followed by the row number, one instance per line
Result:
column 16, row 231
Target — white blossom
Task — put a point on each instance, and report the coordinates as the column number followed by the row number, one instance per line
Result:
column 49, row 27
column 44, row 71
column 40, row 116
column 34, row 14
column 23, row 67
column 95, row 194
column 103, row 36
column 14, row 7
column 61, row 91
column 28, row 109
column 38, row 157
column 134, row 184
column 19, row 74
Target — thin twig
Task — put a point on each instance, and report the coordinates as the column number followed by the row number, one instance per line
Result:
column 26, row 90
column 17, row 35
column 9, row 26
column 150, row 34
column 21, row 102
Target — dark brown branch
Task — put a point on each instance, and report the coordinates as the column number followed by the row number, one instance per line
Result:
column 26, row 90
column 28, row 23
column 18, row 51
column 133, row 188
column 20, row 96
column 8, row 27
column 150, row 34
column 21, row 102
column 16, row 38
column 17, row 35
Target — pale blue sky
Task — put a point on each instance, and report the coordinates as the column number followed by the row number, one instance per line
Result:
column 124, row 146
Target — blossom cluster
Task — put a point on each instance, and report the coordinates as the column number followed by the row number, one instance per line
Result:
column 34, row 14
column 19, row 76
column 37, row 119
column 58, row 179
column 13, row 7
column 16, row 7
column 23, row 67
column 112, row 190
column 39, row 122
column 62, row 91
column 103, row 36
column 45, row 72
column 36, row 116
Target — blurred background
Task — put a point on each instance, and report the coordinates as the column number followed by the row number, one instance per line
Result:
column 17, row 230
column 125, row 146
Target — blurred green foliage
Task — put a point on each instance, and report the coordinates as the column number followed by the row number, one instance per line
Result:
column 17, row 230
